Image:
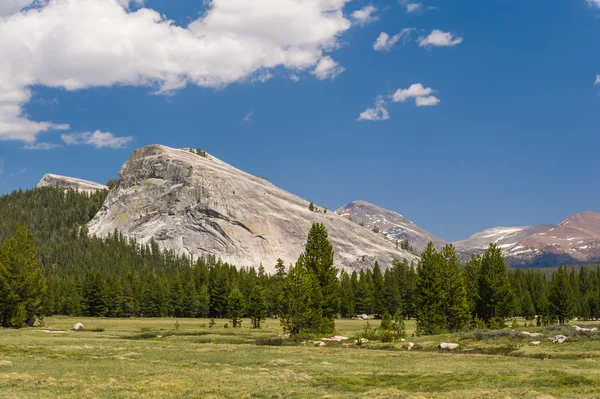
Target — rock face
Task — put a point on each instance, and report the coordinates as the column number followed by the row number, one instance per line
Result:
column 391, row 224
column 574, row 240
column 505, row 237
column 66, row 183
column 198, row 205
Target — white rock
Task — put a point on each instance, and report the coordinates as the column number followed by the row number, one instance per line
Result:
column 577, row 328
column 534, row 343
column 409, row 345
column 363, row 317
column 64, row 182
column 202, row 206
column 448, row 346
column 559, row 339
column 78, row 327
column 336, row 338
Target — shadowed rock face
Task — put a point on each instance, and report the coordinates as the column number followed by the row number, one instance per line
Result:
column 64, row 182
column 199, row 205
column 393, row 225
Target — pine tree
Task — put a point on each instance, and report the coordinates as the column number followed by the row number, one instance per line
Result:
column 257, row 305
column 561, row 297
column 456, row 306
column 22, row 287
column 527, row 309
column 429, row 295
column 346, row 295
column 300, row 303
column 236, row 307
column 378, row 294
column 496, row 296
column 318, row 260
column 472, row 271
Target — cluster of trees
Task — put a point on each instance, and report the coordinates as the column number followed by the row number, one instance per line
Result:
column 49, row 265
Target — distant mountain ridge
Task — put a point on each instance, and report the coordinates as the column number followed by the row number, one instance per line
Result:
column 575, row 240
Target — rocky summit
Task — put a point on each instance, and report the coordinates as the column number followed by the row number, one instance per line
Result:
column 66, row 183
column 196, row 204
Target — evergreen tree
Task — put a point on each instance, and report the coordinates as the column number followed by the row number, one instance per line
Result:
column 472, row 271
column 346, row 295
column 22, row 287
column 561, row 297
column 455, row 304
column 236, row 307
column 318, row 260
column 378, row 294
column 496, row 296
column 528, row 310
column 257, row 305
column 429, row 295
column 300, row 302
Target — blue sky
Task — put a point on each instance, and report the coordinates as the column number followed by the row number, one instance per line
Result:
column 508, row 134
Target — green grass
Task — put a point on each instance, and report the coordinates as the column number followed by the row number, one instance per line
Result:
column 150, row 358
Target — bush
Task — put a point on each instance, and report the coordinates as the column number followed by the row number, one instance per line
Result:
column 386, row 321
column 386, row 336
column 271, row 341
column 369, row 332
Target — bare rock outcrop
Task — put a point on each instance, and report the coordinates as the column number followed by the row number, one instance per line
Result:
column 66, row 183
column 195, row 204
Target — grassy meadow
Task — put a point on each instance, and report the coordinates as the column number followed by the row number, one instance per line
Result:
column 150, row 358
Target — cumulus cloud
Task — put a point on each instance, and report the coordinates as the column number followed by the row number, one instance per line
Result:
column 40, row 146
column 8, row 7
column 439, row 39
column 327, row 68
column 97, row 139
column 80, row 44
column 597, row 82
column 384, row 42
column 593, row 3
column 364, row 15
column 422, row 95
column 378, row 113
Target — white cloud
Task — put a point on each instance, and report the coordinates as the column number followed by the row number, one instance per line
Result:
column 294, row 77
column 384, row 42
column 364, row 15
column 248, row 118
column 422, row 95
column 8, row 7
column 597, row 82
column 379, row 113
column 97, row 139
column 66, row 44
column 593, row 3
column 413, row 7
column 327, row 68
column 438, row 38
column 41, row 146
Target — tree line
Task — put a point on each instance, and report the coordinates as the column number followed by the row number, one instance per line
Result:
column 64, row 271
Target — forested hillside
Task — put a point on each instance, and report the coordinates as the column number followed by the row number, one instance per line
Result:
column 117, row 277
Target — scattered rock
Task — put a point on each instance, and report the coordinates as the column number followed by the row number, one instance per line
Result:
column 322, row 344
column 347, row 345
column 448, row 346
column 78, row 327
column 409, row 346
column 5, row 363
column 336, row 338
column 559, row 339
column 530, row 334
column 363, row 317
column 534, row 343
column 577, row 328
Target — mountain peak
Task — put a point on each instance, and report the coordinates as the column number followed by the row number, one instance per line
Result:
column 66, row 183
column 195, row 204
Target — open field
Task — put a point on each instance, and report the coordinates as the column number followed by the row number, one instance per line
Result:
column 124, row 358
